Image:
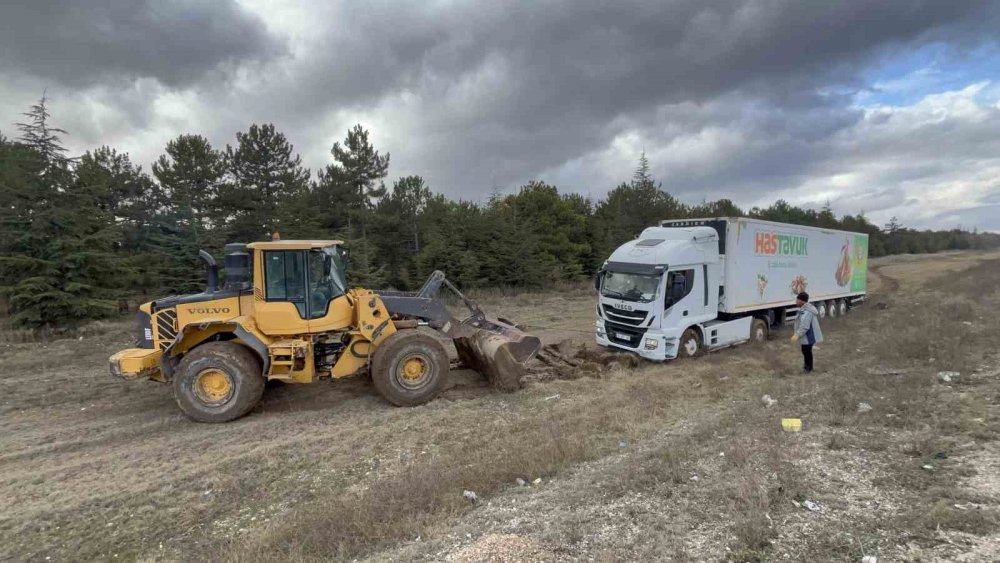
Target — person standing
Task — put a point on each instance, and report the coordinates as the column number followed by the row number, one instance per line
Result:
column 807, row 331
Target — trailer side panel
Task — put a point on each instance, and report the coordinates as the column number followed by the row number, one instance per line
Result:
column 767, row 264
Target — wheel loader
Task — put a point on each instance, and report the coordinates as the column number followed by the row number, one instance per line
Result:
column 285, row 313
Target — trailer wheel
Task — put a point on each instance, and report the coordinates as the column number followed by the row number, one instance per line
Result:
column 218, row 382
column 821, row 309
column 831, row 309
column 409, row 368
column 758, row 331
column 690, row 344
column 842, row 307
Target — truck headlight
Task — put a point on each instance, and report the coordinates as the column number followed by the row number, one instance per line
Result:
column 601, row 332
column 651, row 343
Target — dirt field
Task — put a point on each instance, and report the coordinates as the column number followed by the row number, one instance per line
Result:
column 679, row 461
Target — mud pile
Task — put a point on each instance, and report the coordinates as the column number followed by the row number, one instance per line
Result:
column 566, row 360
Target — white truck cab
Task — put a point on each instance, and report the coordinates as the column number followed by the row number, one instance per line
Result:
column 659, row 295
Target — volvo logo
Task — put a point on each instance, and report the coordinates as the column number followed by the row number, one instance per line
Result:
column 208, row 310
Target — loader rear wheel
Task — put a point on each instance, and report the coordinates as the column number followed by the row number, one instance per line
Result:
column 409, row 368
column 218, row 382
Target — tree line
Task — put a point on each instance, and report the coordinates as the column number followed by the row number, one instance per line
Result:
column 83, row 235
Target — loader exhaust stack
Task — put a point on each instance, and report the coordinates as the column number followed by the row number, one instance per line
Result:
column 495, row 348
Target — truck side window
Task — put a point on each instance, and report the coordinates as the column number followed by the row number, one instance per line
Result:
column 679, row 285
column 284, row 277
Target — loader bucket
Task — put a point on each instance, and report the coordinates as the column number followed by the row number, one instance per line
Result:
column 499, row 351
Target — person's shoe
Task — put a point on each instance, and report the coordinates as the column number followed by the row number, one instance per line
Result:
column 806, row 371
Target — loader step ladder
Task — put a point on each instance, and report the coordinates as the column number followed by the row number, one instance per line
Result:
column 283, row 354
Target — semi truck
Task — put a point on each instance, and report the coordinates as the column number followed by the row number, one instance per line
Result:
column 687, row 286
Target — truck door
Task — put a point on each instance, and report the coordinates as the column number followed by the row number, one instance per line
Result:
column 684, row 298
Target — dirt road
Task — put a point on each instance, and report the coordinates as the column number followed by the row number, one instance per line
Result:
column 95, row 468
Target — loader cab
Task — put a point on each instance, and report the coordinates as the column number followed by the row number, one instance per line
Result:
column 297, row 285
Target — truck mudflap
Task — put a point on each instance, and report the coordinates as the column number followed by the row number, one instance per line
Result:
column 495, row 348
column 135, row 363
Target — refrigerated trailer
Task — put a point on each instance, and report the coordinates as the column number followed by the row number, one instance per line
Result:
column 690, row 285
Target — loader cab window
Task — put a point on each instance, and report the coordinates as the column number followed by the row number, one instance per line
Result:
column 679, row 285
column 309, row 279
column 285, row 277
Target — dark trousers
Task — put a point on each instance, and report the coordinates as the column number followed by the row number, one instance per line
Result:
column 807, row 357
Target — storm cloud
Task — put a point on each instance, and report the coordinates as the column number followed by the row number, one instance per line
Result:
column 747, row 100
column 78, row 44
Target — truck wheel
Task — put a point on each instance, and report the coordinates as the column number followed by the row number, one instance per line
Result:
column 842, row 307
column 690, row 344
column 821, row 309
column 409, row 368
column 758, row 331
column 831, row 309
column 218, row 382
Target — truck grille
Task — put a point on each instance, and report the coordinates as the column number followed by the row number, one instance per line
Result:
column 624, row 335
column 619, row 315
column 166, row 322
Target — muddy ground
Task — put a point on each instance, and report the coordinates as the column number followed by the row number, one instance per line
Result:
column 633, row 461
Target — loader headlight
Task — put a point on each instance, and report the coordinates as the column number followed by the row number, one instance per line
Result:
column 652, row 343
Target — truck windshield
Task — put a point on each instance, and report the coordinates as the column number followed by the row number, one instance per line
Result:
column 630, row 287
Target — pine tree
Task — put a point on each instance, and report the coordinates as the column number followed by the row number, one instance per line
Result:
column 361, row 164
column 354, row 181
column 38, row 134
column 190, row 173
column 59, row 265
column 641, row 176
column 264, row 180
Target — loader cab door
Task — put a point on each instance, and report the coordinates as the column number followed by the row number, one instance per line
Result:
column 329, row 308
column 303, row 292
column 284, row 309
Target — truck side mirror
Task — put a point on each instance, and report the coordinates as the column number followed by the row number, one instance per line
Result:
column 597, row 279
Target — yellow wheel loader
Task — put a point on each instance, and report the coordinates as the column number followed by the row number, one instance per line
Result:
column 285, row 313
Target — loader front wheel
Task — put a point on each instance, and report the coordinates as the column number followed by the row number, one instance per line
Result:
column 409, row 368
column 218, row 382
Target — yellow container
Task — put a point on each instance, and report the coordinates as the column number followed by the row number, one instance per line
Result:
column 791, row 424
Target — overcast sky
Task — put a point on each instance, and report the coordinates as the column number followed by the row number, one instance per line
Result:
column 889, row 107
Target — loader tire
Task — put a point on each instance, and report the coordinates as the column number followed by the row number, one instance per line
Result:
column 218, row 382
column 409, row 368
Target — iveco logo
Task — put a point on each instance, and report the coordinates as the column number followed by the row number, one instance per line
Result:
column 624, row 306
column 208, row 310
